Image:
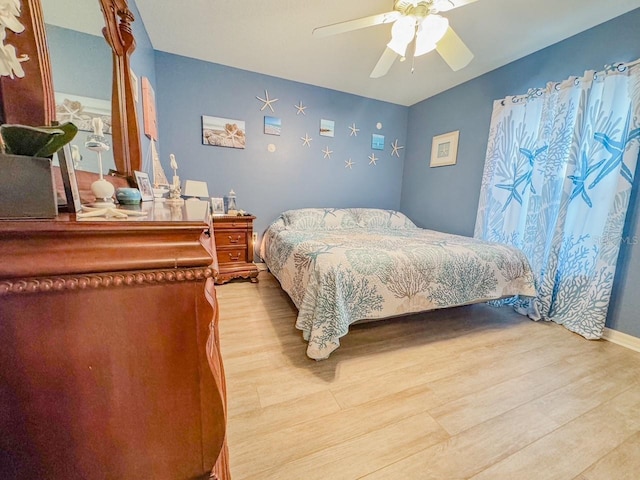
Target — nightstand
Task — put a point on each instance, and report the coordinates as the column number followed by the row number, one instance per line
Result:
column 234, row 247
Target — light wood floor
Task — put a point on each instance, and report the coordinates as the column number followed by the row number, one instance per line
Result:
column 467, row 393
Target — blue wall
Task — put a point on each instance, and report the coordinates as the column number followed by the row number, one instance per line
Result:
column 294, row 175
column 446, row 198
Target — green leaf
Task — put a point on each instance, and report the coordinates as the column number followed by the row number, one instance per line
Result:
column 58, row 141
column 36, row 141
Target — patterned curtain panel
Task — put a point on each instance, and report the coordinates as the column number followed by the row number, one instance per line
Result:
column 557, row 181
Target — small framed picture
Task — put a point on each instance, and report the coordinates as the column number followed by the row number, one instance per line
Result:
column 272, row 125
column 144, row 185
column 327, row 128
column 69, row 180
column 444, row 149
column 377, row 141
column 217, row 206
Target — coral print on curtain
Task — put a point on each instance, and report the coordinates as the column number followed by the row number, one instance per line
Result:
column 557, row 182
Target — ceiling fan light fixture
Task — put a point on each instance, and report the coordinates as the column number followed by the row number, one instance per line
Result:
column 430, row 32
column 402, row 32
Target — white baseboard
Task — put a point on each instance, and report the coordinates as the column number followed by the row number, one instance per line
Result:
column 622, row 339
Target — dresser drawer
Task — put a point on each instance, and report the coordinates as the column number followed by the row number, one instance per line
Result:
column 235, row 255
column 225, row 239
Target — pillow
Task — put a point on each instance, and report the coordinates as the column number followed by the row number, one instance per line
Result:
column 319, row 219
column 376, row 218
column 344, row 218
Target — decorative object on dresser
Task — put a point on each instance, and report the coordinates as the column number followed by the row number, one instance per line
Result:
column 144, row 185
column 27, row 182
column 234, row 247
column 97, row 142
column 232, row 206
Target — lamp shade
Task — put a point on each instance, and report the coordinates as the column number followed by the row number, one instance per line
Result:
column 402, row 33
column 430, row 31
column 195, row 188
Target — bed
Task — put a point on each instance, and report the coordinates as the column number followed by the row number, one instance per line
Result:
column 340, row 266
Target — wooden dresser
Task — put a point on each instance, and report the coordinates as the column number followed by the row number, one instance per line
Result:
column 108, row 341
column 234, row 246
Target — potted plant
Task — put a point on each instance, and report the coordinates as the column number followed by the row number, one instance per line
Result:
column 26, row 186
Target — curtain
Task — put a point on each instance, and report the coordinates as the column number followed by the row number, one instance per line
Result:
column 557, row 181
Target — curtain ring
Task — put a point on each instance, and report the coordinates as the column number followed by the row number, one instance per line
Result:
column 621, row 67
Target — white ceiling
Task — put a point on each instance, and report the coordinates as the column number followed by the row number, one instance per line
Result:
column 274, row 37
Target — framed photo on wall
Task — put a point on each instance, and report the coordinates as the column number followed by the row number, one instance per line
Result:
column 223, row 132
column 444, row 149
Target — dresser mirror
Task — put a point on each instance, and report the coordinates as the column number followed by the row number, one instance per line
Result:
column 81, row 68
column 30, row 100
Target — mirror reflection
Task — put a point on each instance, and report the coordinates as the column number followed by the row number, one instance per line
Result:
column 81, row 64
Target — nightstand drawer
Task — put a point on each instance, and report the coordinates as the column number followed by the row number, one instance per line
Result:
column 236, row 255
column 225, row 239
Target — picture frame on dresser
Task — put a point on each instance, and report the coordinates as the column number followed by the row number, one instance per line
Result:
column 69, row 180
column 217, row 205
column 144, row 185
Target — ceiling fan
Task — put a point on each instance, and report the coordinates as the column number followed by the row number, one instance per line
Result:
column 419, row 20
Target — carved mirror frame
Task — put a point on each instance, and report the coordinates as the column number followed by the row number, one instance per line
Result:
column 30, row 100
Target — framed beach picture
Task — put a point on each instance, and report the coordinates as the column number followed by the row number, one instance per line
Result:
column 377, row 141
column 327, row 128
column 223, row 132
column 82, row 110
column 144, row 185
column 272, row 125
column 444, row 149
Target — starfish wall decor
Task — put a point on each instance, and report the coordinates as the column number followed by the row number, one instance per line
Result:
column 301, row 108
column 354, row 130
column 267, row 101
column 327, row 152
column 306, row 140
column 396, row 148
column 373, row 159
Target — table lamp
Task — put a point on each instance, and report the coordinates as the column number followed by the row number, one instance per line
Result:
column 195, row 190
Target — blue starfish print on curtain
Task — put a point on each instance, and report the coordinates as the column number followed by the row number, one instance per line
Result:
column 512, row 189
column 617, row 149
column 580, row 179
column 531, row 156
column 519, row 179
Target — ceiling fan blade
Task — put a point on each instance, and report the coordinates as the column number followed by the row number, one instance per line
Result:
column 453, row 50
column 446, row 5
column 384, row 63
column 357, row 24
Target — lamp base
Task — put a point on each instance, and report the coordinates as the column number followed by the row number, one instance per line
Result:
column 103, row 191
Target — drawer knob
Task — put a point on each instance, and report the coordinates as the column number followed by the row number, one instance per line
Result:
column 235, row 240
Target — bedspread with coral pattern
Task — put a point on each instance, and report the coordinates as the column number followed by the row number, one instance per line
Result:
column 343, row 265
